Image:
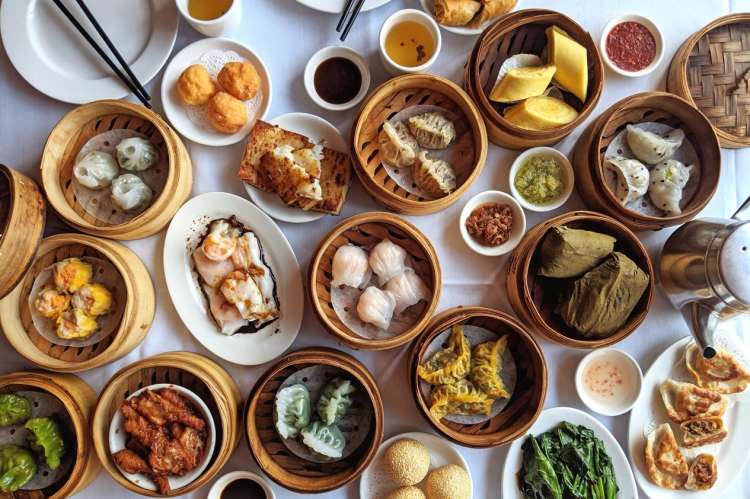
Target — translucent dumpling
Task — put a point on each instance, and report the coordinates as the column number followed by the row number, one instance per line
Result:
column 130, row 193
column 376, row 307
column 407, row 288
column 350, row 267
column 668, row 179
column 96, row 170
column 387, row 260
column 650, row 147
column 324, row 439
column 292, row 410
column 136, row 154
column 632, row 179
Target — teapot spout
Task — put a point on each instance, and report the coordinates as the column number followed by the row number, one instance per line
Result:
column 703, row 322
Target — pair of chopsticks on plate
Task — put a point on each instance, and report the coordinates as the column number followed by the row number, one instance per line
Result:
column 351, row 10
column 133, row 84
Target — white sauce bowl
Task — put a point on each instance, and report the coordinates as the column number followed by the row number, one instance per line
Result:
column 517, row 230
column 564, row 164
column 616, row 407
column 402, row 16
column 655, row 31
column 323, row 55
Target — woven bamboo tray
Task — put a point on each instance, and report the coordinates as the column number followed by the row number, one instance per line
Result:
column 712, row 70
column 366, row 230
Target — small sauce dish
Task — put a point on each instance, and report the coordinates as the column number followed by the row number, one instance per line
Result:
column 407, row 20
column 645, row 23
column 517, row 229
column 332, row 76
column 222, row 488
column 568, row 178
column 609, row 381
column 227, row 23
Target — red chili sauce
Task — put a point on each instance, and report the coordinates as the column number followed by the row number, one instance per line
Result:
column 631, row 46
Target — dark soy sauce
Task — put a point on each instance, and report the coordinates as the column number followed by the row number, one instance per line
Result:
column 243, row 488
column 337, row 80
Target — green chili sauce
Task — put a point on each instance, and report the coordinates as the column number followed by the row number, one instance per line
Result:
column 540, row 180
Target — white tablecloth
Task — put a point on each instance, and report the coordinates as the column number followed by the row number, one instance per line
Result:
column 285, row 34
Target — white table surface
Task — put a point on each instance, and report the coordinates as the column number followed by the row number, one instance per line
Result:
column 285, row 35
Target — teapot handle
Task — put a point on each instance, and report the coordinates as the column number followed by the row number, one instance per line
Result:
column 743, row 212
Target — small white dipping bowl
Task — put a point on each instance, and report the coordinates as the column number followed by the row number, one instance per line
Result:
column 323, row 55
column 402, row 16
column 616, row 407
column 222, row 25
column 655, row 31
column 517, row 230
column 223, row 481
column 567, row 171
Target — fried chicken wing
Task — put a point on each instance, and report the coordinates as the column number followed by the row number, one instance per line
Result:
column 166, row 407
column 131, row 462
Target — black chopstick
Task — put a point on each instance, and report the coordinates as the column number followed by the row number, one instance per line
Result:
column 101, row 53
column 112, row 48
column 344, row 15
column 353, row 18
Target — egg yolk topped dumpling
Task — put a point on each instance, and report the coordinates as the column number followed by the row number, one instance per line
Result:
column 71, row 274
column 75, row 324
column 51, row 303
column 94, row 299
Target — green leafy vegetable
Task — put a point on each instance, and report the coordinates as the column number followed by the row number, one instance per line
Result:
column 45, row 437
column 17, row 467
column 568, row 462
column 14, row 409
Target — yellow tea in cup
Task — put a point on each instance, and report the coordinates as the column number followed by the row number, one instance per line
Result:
column 208, row 10
column 410, row 44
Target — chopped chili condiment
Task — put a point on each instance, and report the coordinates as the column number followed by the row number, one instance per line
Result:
column 490, row 224
column 631, row 46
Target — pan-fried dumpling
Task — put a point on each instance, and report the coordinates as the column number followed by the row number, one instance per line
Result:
column 652, row 148
column 408, row 289
column 434, row 176
column 632, row 179
column 702, row 431
column 450, row 364
column 96, row 170
column 668, row 179
column 722, row 373
column 293, row 411
column 432, row 130
column 397, row 146
column 387, row 260
column 460, row 399
column 136, row 154
column 685, row 401
column 350, row 267
column 665, row 463
column 376, row 307
column 487, row 363
column 702, row 473
column 130, row 193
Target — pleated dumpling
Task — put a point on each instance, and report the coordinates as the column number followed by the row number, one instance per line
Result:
column 434, row 176
column 376, row 307
column 721, row 373
column 397, row 146
column 408, row 289
column 685, row 401
column 450, row 364
column 350, row 267
column 459, row 399
column 652, row 148
column 432, row 130
column 632, row 179
column 387, row 260
column 668, row 179
column 702, row 473
column 665, row 463
column 487, row 363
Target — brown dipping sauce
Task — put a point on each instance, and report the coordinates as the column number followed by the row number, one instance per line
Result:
column 337, row 80
column 243, row 488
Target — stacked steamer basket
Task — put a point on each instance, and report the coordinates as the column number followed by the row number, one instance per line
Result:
column 534, row 300
column 272, row 455
column 78, row 398
column 366, row 230
column 134, row 284
column 523, row 32
column 527, row 399
column 710, row 70
column 399, row 94
column 589, row 156
column 84, row 123
column 209, row 381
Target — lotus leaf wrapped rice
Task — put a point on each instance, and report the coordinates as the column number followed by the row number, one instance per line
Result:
column 567, row 252
column 601, row 301
column 17, row 467
column 14, row 409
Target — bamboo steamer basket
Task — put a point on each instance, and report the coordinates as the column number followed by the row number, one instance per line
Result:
column 269, row 451
column 388, row 99
column 78, row 398
column 195, row 372
column 22, row 217
column 527, row 400
column 138, row 315
column 710, row 70
column 589, row 156
column 523, row 31
column 366, row 230
column 529, row 294
column 88, row 120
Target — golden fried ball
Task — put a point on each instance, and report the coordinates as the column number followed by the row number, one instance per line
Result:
column 448, row 482
column 226, row 113
column 406, row 462
column 195, row 86
column 240, row 79
column 406, row 493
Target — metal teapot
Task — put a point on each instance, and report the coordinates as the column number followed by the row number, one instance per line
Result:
column 705, row 271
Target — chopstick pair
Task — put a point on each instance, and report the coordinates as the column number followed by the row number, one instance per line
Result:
column 133, row 84
column 351, row 10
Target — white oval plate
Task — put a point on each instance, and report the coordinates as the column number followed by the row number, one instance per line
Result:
column 176, row 111
column 336, row 6
column 246, row 349
column 374, row 484
column 427, row 7
column 316, row 129
column 548, row 420
column 648, row 413
column 50, row 54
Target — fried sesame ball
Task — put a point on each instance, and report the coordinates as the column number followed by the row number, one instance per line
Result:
column 448, row 482
column 225, row 113
column 406, row 462
column 406, row 493
column 239, row 79
column 195, row 86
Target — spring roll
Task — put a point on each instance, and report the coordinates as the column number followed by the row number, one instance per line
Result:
column 491, row 9
column 455, row 12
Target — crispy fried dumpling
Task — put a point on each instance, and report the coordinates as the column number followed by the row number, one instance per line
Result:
column 702, row 431
column 461, row 398
column 703, row 473
column 665, row 463
column 450, row 364
column 722, row 373
column 432, row 130
column 434, row 176
column 650, row 147
column 487, row 363
column 397, row 146
column 632, row 179
column 685, row 401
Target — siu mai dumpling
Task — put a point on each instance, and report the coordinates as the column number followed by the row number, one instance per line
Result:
column 434, row 176
column 702, row 473
column 702, row 431
column 397, row 146
column 721, row 373
column 432, row 130
column 376, row 307
column 387, row 260
column 450, row 364
column 665, row 463
column 685, row 401
column 652, row 148
column 350, row 267
column 632, row 179
column 487, row 363
column 461, row 398
column 408, row 289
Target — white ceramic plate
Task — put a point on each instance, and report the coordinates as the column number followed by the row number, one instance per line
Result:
column 648, row 413
column 117, row 439
column 336, row 6
column 548, row 420
column 177, row 113
column 246, row 349
column 316, row 129
column 427, row 6
column 375, row 485
column 51, row 55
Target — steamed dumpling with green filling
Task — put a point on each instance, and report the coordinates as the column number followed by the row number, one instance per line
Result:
column 46, row 437
column 14, row 409
column 335, row 400
column 136, row 154
column 96, row 170
column 17, row 467
column 293, row 411
column 324, row 439
column 449, row 365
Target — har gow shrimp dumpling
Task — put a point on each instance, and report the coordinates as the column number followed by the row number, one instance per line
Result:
column 130, row 193
column 387, row 260
column 136, row 154
column 96, row 170
column 350, row 267
column 376, row 307
column 408, row 289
